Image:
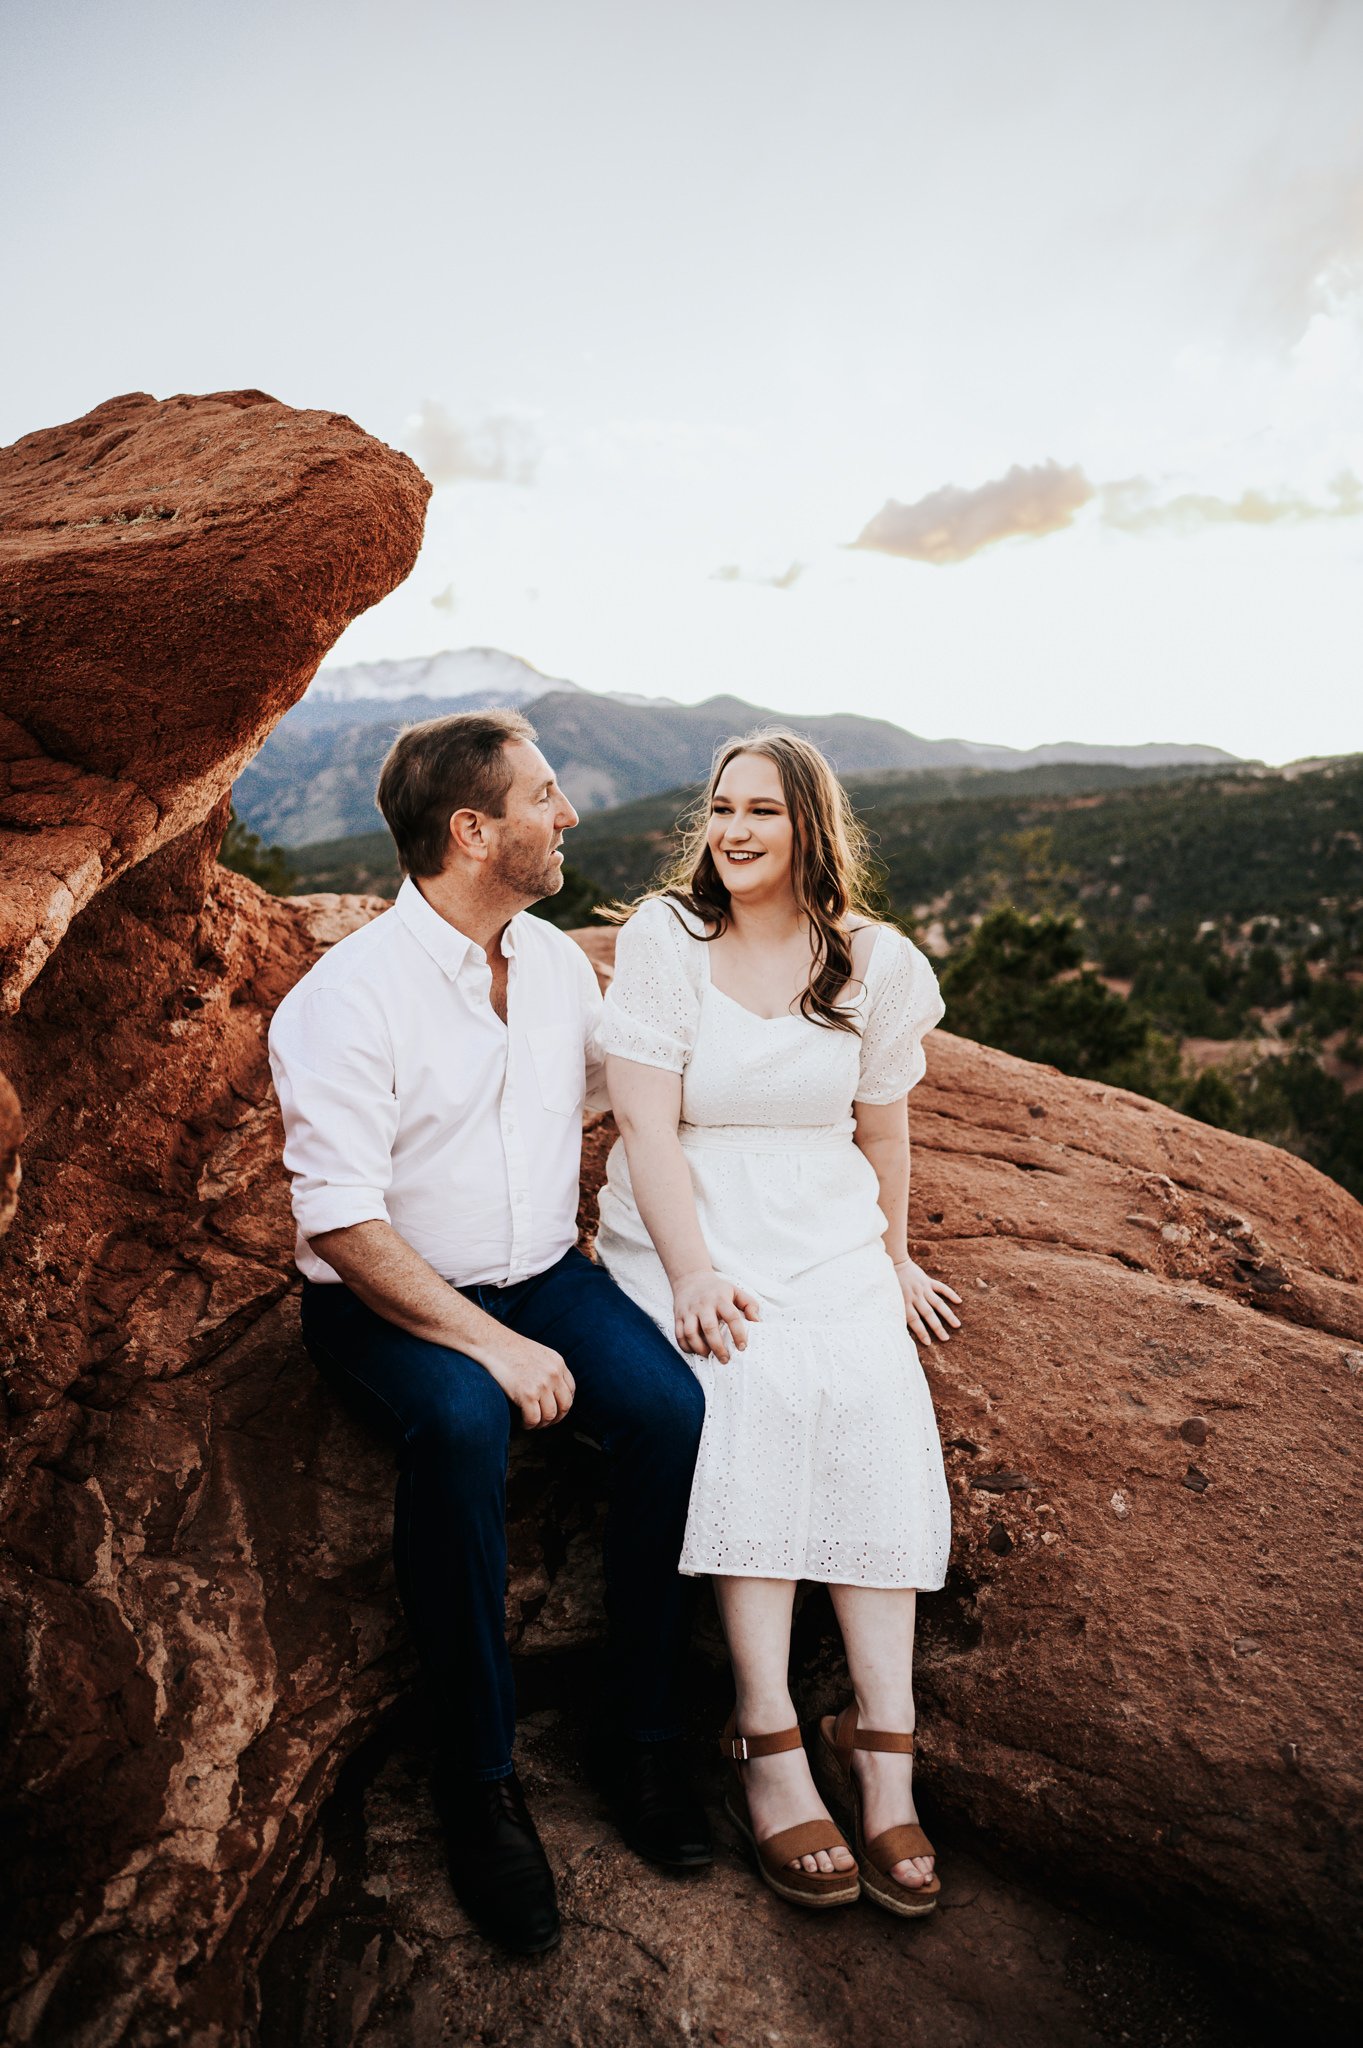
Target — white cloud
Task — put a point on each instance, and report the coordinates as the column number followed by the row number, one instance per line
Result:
column 498, row 449
column 786, row 580
column 1303, row 235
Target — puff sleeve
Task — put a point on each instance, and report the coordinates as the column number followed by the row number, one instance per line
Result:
column 905, row 1003
column 653, row 1003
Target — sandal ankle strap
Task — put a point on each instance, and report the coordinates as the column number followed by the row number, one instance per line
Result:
column 878, row 1738
column 740, row 1748
column 847, row 1736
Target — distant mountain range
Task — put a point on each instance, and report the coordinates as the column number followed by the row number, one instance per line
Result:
column 314, row 777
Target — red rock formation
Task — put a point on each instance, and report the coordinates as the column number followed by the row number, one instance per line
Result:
column 11, row 1133
column 1144, row 1665
column 185, row 1628
column 174, row 573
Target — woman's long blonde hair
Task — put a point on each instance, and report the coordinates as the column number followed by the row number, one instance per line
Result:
column 830, row 864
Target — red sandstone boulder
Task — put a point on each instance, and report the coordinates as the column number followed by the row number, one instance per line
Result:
column 174, row 572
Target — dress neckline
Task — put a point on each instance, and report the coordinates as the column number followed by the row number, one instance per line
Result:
column 788, row 1016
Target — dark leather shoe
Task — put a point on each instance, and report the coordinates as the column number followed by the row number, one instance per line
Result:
column 659, row 1809
column 498, row 1867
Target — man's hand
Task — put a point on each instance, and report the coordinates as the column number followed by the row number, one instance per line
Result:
column 396, row 1282
column 534, row 1377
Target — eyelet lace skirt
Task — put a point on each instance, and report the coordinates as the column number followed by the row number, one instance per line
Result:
column 820, row 1457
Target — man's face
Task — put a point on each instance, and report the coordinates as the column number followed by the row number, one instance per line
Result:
column 524, row 842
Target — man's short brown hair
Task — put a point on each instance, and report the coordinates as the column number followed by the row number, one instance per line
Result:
column 445, row 765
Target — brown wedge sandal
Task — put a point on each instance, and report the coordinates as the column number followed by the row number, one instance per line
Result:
column 773, row 1855
column 876, row 1858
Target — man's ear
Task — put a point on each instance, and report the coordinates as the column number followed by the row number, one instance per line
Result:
column 467, row 836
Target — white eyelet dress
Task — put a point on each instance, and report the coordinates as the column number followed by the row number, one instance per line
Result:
column 820, row 1456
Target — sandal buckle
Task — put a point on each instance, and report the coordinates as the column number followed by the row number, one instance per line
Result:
column 738, row 1748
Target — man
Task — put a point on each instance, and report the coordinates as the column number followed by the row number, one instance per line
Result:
column 432, row 1069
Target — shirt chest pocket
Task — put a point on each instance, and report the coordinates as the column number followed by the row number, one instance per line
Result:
column 560, row 1068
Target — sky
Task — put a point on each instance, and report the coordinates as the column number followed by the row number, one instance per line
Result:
column 993, row 366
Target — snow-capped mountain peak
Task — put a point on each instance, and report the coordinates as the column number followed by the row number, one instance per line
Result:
column 483, row 672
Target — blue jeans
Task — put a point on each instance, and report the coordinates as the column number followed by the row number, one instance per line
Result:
column 450, row 1424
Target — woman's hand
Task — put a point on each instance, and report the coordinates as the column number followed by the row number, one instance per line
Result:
column 925, row 1302
column 709, row 1310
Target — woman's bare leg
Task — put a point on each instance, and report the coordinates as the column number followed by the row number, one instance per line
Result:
column 781, row 1792
column 877, row 1634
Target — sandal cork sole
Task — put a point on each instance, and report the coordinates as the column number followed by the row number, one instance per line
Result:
column 773, row 1856
column 895, row 1897
column 875, row 1859
column 796, row 1887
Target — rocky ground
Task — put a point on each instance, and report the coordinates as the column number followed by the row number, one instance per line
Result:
column 376, row 1952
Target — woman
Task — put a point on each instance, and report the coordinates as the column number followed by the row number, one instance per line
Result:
column 762, row 1033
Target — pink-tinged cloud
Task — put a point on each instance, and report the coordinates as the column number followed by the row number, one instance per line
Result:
column 951, row 524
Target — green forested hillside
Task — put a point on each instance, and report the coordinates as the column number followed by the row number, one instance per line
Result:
column 365, row 864
column 1255, row 843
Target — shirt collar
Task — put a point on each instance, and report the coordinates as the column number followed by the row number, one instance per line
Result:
column 451, row 949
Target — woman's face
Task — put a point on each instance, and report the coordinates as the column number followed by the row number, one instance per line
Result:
column 750, row 833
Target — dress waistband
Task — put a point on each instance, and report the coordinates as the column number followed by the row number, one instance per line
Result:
column 764, row 1137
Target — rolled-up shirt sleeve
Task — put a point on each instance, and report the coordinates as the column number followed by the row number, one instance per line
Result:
column 332, row 1061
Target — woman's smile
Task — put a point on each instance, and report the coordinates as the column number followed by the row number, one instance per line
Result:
column 749, row 803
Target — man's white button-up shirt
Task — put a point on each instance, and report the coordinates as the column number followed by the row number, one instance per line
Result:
column 406, row 1100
